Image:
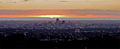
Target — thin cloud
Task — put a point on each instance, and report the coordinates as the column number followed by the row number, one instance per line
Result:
column 26, row 0
column 14, row 1
column 64, row 1
column 17, row 12
column 95, row 12
column 72, row 12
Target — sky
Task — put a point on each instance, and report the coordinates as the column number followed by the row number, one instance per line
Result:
column 60, row 8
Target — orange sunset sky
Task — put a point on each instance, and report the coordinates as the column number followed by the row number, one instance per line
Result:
column 60, row 8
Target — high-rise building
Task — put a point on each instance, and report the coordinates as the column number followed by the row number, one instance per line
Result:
column 57, row 20
column 63, row 22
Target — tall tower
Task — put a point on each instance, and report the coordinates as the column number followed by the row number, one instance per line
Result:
column 63, row 22
column 57, row 20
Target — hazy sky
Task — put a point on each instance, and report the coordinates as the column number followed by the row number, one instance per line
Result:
column 60, row 4
column 71, row 8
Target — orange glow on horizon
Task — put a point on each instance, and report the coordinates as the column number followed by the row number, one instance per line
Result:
column 58, row 16
column 51, row 16
column 60, row 13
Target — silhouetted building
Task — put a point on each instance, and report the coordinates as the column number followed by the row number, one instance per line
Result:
column 57, row 20
column 63, row 22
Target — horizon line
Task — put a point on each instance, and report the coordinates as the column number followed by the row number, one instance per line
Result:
column 29, row 18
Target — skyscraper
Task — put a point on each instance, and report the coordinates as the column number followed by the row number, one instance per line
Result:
column 63, row 22
column 57, row 20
